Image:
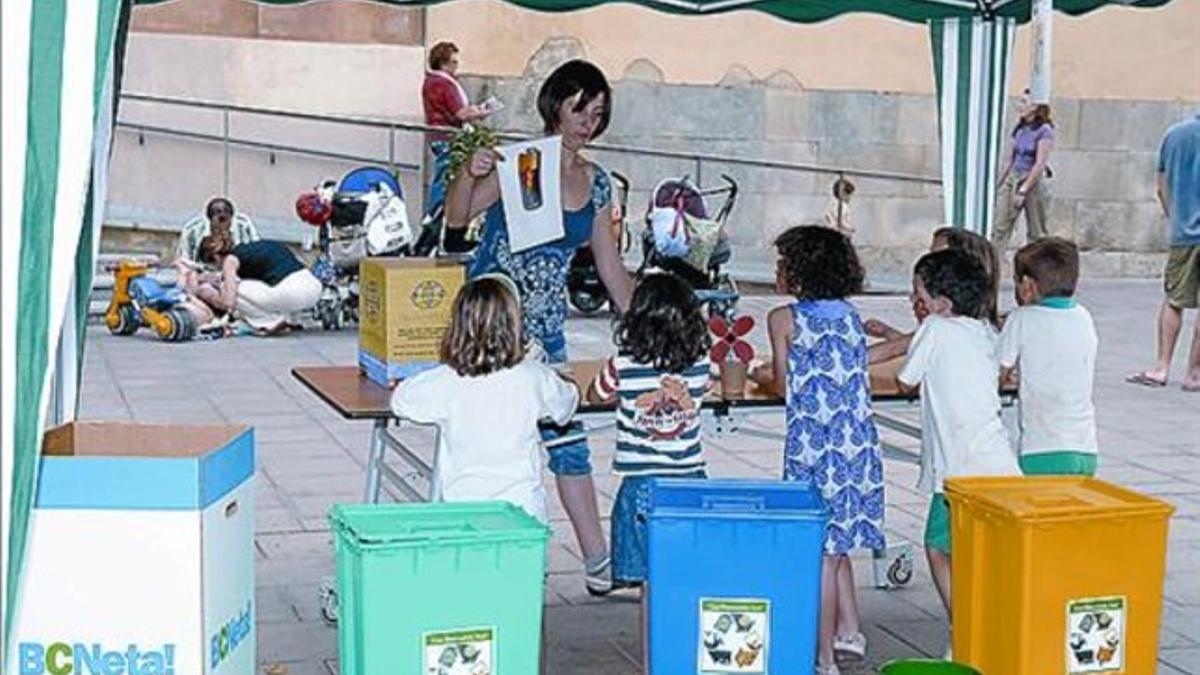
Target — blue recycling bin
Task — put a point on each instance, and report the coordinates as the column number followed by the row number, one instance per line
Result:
column 734, row 582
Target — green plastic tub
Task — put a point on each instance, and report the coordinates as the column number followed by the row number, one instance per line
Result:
column 926, row 667
column 452, row 589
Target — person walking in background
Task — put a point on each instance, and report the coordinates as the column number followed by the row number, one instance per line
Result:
column 1179, row 194
column 1023, row 187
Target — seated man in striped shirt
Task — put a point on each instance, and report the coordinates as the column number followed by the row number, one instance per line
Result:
column 659, row 377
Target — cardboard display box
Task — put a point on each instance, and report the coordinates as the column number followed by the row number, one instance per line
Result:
column 404, row 308
column 141, row 553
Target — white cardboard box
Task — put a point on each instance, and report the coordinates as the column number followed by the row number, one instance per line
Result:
column 141, row 553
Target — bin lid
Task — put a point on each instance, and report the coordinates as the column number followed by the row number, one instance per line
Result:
column 1042, row 498
column 440, row 523
column 735, row 498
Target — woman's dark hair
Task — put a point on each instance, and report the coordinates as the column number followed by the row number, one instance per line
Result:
column 818, row 263
column 440, row 54
column 485, row 329
column 977, row 245
column 210, row 209
column 959, row 277
column 664, row 326
column 564, row 83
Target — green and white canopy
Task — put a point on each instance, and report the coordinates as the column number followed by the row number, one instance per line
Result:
column 60, row 71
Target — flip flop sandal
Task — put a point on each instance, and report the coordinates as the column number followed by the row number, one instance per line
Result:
column 1191, row 388
column 1145, row 380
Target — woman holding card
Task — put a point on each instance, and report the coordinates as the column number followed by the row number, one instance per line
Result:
column 575, row 103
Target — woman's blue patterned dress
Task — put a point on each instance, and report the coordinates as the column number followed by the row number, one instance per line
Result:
column 831, row 436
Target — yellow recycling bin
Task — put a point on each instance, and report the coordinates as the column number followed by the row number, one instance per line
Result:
column 1056, row 575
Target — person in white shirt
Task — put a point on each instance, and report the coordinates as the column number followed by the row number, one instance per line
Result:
column 1051, row 340
column 952, row 359
column 487, row 399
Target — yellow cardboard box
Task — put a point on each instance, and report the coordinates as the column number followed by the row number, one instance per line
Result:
column 404, row 308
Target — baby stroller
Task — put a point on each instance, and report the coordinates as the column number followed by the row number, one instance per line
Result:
column 682, row 237
column 363, row 215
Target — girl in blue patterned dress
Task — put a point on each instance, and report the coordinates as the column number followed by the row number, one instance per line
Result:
column 574, row 102
column 819, row 364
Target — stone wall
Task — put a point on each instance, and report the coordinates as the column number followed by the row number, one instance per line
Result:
column 1104, row 164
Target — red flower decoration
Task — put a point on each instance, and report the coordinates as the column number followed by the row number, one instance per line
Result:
column 729, row 337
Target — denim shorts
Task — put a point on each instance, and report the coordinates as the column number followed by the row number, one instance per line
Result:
column 569, row 459
column 629, row 535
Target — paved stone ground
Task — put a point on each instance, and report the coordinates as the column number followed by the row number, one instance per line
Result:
column 309, row 458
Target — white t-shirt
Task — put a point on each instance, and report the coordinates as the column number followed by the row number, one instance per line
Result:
column 1055, row 349
column 953, row 360
column 489, row 446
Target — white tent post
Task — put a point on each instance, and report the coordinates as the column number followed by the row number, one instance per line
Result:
column 1043, row 50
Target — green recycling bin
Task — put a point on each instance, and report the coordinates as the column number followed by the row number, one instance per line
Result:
column 926, row 667
column 446, row 588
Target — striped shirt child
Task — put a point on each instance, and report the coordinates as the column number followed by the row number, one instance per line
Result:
column 658, row 416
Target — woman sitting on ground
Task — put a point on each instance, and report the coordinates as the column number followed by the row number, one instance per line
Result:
column 262, row 281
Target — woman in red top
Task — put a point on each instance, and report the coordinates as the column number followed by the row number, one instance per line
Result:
column 446, row 105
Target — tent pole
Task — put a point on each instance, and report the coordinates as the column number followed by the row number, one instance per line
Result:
column 1043, row 39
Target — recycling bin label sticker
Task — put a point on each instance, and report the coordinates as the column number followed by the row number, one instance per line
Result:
column 734, row 635
column 470, row 651
column 1096, row 635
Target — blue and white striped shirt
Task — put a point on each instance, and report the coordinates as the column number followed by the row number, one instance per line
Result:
column 658, row 416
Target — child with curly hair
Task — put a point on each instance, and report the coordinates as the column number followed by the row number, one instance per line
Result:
column 819, row 365
column 658, row 377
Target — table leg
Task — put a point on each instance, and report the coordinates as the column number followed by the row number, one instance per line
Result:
column 374, row 460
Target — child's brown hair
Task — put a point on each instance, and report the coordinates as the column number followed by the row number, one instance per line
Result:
column 1052, row 262
column 485, row 331
column 978, row 246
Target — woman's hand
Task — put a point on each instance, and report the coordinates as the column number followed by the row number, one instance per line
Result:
column 483, row 162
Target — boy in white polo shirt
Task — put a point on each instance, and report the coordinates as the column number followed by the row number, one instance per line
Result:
column 1052, row 341
column 952, row 359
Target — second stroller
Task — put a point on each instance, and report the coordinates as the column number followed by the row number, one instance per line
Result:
column 682, row 237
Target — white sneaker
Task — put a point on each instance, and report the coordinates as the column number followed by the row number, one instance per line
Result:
column 852, row 646
column 598, row 579
column 949, row 655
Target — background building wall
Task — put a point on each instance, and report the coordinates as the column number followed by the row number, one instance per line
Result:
column 855, row 92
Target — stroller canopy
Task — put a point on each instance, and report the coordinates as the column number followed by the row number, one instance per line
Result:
column 365, row 179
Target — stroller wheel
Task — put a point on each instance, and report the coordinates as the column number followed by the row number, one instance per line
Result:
column 587, row 301
column 331, row 316
column 128, row 321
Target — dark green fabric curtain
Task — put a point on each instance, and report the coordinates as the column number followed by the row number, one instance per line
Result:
column 809, row 11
